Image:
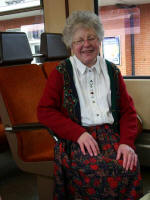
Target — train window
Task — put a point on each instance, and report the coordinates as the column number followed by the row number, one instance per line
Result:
column 7, row 5
column 127, row 35
column 23, row 16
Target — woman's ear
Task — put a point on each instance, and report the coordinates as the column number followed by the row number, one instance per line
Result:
column 100, row 49
column 71, row 52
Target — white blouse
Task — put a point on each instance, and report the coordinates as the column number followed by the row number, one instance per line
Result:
column 93, row 88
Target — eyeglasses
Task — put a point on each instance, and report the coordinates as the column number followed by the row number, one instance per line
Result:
column 90, row 40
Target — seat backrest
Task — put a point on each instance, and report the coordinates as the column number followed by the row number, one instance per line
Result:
column 21, row 88
column 14, row 48
column 53, row 49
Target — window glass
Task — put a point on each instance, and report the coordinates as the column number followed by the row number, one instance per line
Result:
column 127, row 35
column 34, row 33
column 29, row 21
column 7, row 5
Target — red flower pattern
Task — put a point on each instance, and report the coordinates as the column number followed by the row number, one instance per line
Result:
column 96, row 182
column 87, row 179
column 94, row 135
column 106, row 146
column 133, row 193
column 116, row 146
column 136, row 182
column 92, row 160
column 94, row 167
column 78, row 182
column 112, row 182
column 91, row 191
column 123, row 190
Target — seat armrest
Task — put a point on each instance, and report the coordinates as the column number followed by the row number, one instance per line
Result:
column 29, row 127
column 24, row 127
column 139, row 124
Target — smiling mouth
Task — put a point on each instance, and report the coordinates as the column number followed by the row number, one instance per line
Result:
column 87, row 51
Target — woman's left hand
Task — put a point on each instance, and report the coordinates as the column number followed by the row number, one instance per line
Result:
column 129, row 156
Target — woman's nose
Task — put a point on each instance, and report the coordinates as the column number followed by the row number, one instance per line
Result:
column 86, row 43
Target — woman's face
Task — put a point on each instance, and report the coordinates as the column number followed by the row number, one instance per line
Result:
column 85, row 46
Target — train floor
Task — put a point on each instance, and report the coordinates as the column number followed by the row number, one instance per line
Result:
column 18, row 185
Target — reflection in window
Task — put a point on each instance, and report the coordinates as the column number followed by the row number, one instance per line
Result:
column 25, row 20
column 132, row 25
column 7, row 5
column 31, row 22
column 111, row 49
column 34, row 34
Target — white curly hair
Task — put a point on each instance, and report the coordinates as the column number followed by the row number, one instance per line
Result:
column 82, row 19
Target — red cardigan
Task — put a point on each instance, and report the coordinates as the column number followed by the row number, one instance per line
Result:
column 52, row 113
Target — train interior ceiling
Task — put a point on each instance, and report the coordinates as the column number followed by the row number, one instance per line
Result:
column 27, row 55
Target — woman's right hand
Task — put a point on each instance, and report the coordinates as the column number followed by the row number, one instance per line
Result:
column 86, row 141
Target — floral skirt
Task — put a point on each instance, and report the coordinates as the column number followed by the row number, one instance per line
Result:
column 101, row 177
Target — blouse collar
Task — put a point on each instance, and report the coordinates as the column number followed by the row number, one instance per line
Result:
column 82, row 68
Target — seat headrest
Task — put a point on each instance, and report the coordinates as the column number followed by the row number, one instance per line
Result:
column 52, row 46
column 14, row 48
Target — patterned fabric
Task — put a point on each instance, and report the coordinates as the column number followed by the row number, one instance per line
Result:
column 71, row 100
column 83, row 177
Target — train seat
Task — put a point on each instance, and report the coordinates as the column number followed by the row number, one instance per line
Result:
column 53, row 50
column 21, row 86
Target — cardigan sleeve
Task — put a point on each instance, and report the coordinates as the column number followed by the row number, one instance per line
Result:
column 128, row 116
column 51, row 113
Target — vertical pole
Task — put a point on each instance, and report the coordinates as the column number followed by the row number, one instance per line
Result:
column 96, row 7
column 67, row 8
column 132, row 44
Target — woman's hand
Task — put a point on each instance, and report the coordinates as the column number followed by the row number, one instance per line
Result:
column 129, row 156
column 86, row 141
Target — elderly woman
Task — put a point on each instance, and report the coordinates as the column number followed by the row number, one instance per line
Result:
column 86, row 105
